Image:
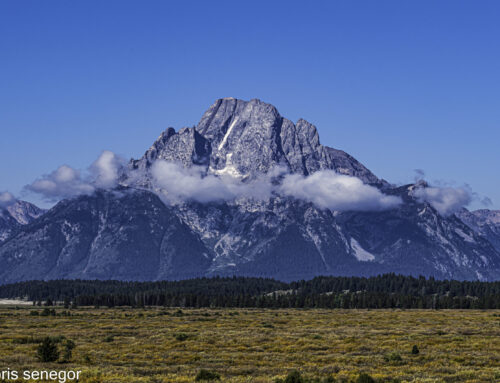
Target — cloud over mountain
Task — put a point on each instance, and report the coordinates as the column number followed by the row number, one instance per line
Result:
column 6, row 199
column 177, row 184
column 326, row 189
column 329, row 190
column 67, row 182
column 446, row 200
column 104, row 170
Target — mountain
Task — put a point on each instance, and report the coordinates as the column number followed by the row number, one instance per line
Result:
column 136, row 232
column 109, row 235
column 13, row 217
column 484, row 222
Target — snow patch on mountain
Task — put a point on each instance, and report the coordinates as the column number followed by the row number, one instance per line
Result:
column 360, row 253
column 466, row 237
column 228, row 133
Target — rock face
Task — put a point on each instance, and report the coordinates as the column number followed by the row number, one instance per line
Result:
column 485, row 222
column 13, row 217
column 255, row 138
column 130, row 234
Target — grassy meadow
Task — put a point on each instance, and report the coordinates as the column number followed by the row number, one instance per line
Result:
column 253, row 345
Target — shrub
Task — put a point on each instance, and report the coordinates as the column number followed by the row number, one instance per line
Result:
column 207, row 375
column 47, row 350
column 46, row 312
column 181, row 336
column 109, row 338
column 365, row 378
column 294, row 377
column 178, row 313
column 415, row 350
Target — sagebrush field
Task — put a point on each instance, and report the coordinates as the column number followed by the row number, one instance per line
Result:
column 252, row 345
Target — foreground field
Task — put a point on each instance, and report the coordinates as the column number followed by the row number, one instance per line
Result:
column 251, row 345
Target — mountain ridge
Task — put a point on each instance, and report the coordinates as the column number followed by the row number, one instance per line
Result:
column 137, row 231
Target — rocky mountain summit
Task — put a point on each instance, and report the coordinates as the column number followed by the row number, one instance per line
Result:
column 247, row 138
column 14, row 216
column 255, row 195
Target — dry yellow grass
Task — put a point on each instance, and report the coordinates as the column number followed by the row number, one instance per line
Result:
column 251, row 345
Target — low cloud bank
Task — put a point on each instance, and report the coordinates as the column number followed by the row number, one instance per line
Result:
column 175, row 183
column 6, row 199
column 329, row 190
column 446, row 200
column 326, row 189
column 66, row 182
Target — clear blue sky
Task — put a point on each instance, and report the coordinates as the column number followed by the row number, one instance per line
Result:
column 400, row 85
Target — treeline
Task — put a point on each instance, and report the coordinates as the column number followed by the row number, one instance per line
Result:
column 385, row 291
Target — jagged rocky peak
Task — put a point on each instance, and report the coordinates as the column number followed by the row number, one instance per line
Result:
column 251, row 137
column 247, row 138
column 24, row 212
column 16, row 215
column 187, row 147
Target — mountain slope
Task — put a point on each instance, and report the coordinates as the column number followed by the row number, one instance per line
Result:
column 415, row 239
column 109, row 235
column 485, row 222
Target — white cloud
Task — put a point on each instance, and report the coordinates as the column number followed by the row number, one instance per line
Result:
column 445, row 200
column 6, row 199
column 105, row 170
column 64, row 182
column 326, row 189
column 329, row 190
column 177, row 183
column 67, row 182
